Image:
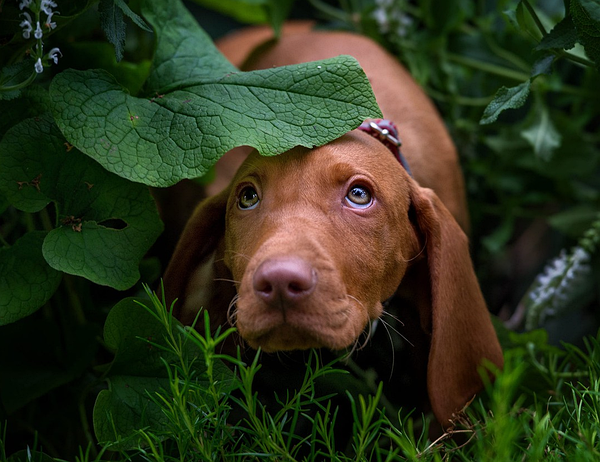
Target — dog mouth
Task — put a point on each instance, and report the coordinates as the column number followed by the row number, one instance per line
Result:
column 335, row 329
column 283, row 338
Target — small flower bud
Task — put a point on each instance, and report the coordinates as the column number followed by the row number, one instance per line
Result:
column 24, row 4
column 26, row 25
column 39, row 67
column 53, row 55
column 38, row 31
column 47, row 5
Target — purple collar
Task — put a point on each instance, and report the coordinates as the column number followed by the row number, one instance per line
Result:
column 386, row 132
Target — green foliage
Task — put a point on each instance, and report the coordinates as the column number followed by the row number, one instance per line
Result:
column 98, row 225
column 28, row 281
column 544, row 404
column 112, row 19
column 196, row 90
column 104, row 224
column 85, row 127
column 516, row 84
column 83, row 122
column 506, row 98
column 152, row 352
column 273, row 12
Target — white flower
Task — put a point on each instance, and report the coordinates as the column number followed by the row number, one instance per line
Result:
column 26, row 25
column 53, row 55
column 381, row 16
column 38, row 31
column 49, row 23
column 404, row 22
column 39, row 67
column 24, row 4
column 46, row 6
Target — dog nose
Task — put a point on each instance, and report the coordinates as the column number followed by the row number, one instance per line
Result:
column 284, row 281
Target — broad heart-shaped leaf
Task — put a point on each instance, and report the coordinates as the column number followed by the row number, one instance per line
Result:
column 138, row 373
column 26, row 280
column 586, row 17
column 106, row 224
column 199, row 106
column 505, row 98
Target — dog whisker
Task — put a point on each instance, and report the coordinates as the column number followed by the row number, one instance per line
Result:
column 231, row 310
column 388, row 325
column 368, row 335
column 233, row 281
column 394, row 317
column 356, row 300
column 421, row 252
column 237, row 255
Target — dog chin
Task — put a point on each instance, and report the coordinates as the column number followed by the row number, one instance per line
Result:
column 288, row 338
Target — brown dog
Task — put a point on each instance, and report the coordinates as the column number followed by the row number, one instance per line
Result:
column 300, row 250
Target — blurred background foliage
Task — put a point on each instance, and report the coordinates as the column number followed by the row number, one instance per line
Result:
column 532, row 170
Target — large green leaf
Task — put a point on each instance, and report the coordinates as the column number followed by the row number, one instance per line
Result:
column 26, row 280
column 199, row 106
column 105, row 224
column 139, row 373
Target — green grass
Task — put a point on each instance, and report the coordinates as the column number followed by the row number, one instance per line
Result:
column 545, row 405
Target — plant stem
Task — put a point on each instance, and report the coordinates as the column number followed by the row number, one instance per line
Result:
column 75, row 302
column 458, row 99
column 46, row 221
column 576, row 59
column 85, row 425
column 535, row 18
column 488, row 67
column 331, row 11
column 18, row 86
column 507, row 55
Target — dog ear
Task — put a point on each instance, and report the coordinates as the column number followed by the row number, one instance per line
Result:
column 462, row 335
column 196, row 275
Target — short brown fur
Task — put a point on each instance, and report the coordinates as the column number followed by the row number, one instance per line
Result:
column 352, row 259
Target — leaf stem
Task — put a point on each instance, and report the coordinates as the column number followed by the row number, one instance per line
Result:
column 46, row 221
column 507, row 55
column 488, row 67
column 535, row 18
column 511, row 74
column 576, row 59
column 75, row 302
column 18, row 86
column 331, row 11
column 83, row 417
column 458, row 99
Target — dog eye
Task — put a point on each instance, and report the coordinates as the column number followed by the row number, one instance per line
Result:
column 248, row 198
column 359, row 197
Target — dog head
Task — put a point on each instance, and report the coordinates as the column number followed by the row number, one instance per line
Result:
column 301, row 250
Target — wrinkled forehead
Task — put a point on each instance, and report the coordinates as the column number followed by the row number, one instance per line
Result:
column 354, row 152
